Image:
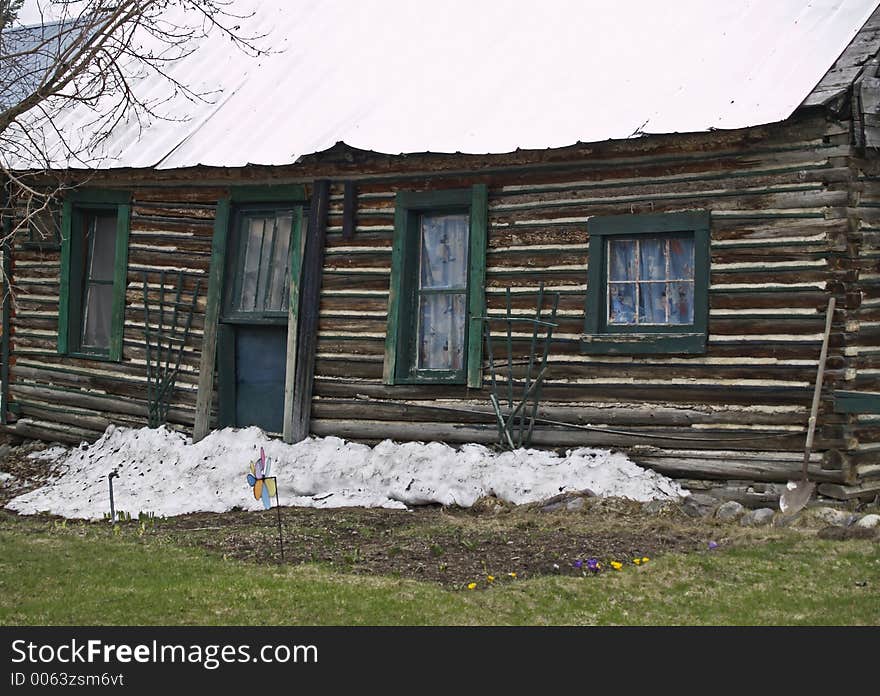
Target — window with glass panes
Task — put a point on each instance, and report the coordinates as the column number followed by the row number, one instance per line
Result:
column 260, row 265
column 98, row 263
column 650, row 280
column 647, row 284
column 442, row 291
column 437, row 287
column 94, row 256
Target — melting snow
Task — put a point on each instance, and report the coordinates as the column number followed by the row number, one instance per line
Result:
column 49, row 455
column 163, row 472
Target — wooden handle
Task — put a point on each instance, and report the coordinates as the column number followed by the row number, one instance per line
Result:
column 817, row 391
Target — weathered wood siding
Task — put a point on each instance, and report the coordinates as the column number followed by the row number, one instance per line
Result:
column 862, row 349
column 61, row 397
column 794, row 216
column 780, row 238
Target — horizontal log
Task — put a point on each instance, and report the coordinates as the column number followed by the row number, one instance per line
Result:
column 867, row 490
column 121, row 384
column 378, row 259
column 52, row 432
column 697, row 184
column 770, row 470
column 551, row 437
column 363, row 237
column 615, row 415
column 167, row 244
column 196, row 211
column 86, row 421
column 596, row 392
column 749, row 494
column 537, row 234
column 866, row 472
column 180, row 194
column 171, row 259
column 102, row 404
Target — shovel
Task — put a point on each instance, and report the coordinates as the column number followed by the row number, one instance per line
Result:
column 799, row 492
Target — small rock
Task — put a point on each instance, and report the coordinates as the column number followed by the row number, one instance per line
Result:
column 699, row 505
column 758, row 518
column 572, row 500
column 831, row 516
column 868, row 522
column 731, row 510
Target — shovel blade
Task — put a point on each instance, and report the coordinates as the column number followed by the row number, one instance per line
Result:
column 795, row 497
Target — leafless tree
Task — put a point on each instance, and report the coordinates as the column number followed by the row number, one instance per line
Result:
column 91, row 55
column 8, row 11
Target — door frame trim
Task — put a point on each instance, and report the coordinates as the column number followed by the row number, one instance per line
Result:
column 215, row 343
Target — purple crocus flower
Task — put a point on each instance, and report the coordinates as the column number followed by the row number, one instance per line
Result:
column 593, row 564
column 713, row 545
column 578, row 564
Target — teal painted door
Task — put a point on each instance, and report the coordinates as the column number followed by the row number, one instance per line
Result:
column 259, row 376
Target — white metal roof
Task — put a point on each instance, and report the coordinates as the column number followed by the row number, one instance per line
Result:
column 401, row 76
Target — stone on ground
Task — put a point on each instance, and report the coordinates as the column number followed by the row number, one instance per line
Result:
column 729, row 511
column 699, row 505
column 868, row 522
column 758, row 518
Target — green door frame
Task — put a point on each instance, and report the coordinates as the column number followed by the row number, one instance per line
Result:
column 218, row 339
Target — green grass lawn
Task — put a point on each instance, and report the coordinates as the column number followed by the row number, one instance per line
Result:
column 65, row 576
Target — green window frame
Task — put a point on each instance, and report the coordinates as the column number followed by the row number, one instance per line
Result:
column 602, row 336
column 401, row 341
column 259, row 267
column 79, row 214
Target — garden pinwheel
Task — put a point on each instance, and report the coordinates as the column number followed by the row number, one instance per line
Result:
column 264, row 485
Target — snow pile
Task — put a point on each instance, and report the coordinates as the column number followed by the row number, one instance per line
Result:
column 48, row 455
column 162, row 472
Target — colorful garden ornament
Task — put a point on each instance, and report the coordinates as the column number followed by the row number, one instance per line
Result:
column 265, row 487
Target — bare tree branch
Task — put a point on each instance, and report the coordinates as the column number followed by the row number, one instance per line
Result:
column 91, row 57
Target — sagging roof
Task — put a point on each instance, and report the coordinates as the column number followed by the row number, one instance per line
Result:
column 397, row 76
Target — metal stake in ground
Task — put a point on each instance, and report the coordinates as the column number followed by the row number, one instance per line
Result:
column 110, row 478
column 278, row 508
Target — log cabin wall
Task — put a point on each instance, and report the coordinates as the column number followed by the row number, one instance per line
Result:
column 784, row 232
column 57, row 397
column 779, row 225
column 862, row 349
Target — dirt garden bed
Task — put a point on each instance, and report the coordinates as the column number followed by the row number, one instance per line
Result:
column 450, row 546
